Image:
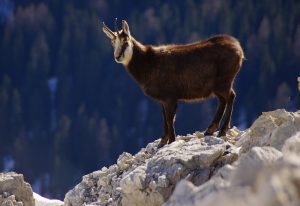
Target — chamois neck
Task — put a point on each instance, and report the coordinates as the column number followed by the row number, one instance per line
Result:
column 138, row 48
column 139, row 56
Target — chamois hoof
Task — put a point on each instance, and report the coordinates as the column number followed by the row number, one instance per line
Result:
column 171, row 140
column 222, row 133
column 161, row 144
column 211, row 129
column 207, row 133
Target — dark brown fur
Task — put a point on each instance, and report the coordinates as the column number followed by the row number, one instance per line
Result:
column 190, row 73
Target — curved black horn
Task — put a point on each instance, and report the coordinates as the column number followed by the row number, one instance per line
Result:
column 116, row 26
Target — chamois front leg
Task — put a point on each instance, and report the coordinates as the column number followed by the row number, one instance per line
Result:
column 169, row 112
column 164, row 138
column 218, row 116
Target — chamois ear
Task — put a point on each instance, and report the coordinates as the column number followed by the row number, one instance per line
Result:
column 125, row 27
column 110, row 34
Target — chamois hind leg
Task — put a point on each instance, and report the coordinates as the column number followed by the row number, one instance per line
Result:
column 227, row 117
column 169, row 111
column 218, row 116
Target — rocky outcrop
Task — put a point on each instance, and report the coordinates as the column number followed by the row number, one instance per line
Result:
column 149, row 177
column 266, row 173
column 196, row 170
column 270, row 129
column 262, row 176
column 14, row 191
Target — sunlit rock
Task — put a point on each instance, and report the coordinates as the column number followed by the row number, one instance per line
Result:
column 14, row 190
column 258, row 166
column 149, row 177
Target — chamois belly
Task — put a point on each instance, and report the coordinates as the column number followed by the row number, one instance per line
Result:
column 196, row 92
column 187, row 91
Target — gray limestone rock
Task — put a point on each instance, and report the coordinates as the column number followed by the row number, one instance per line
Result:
column 270, row 129
column 258, row 166
column 149, row 177
column 262, row 175
column 14, row 190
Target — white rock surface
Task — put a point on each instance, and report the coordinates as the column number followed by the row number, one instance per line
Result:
column 270, row 183
column 263, row 175
column 14, row 191
column 149, row 177
column 270, row 129
column 41, row 201
column 260, row 166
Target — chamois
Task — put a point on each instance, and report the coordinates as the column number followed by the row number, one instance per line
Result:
column 189, row 73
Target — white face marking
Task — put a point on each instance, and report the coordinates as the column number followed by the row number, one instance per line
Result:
column 123, row 50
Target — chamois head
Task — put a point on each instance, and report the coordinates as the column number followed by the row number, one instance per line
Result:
column 121, row 42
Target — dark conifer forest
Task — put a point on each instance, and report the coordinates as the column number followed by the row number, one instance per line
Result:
column 67, row 108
